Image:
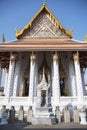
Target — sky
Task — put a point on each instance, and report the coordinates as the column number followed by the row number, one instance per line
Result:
column 17, row 13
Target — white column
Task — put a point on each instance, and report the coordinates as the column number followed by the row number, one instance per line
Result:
column 72, row 79
column 17, row 76
column 56, row 79
column 83, row 80
column 32, row 78
column 10, row 76
column 0, row 74
column 6, row 81
column 36, row 77
column 78, row 77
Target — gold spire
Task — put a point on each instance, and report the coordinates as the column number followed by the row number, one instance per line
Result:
column 3, row 38
column 72, row 31
column 16, row 30
column 85, row 38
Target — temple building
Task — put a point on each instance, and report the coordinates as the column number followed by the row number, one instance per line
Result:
column 44, row 62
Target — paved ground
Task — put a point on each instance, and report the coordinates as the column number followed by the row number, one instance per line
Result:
column 27, row 126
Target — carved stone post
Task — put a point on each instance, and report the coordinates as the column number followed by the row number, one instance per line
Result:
column 56, row 79
column 78, row 77
column 32, row 78
column 10, row 76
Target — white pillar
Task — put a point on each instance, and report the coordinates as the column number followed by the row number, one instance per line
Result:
column 78, row 77
column 56, row 79
column 32, row 78
column 83, row 80
column 17, row 76
column 72, row 79
column 6, row 81
column 0, row 74
column 36, row 77
column 10, row 76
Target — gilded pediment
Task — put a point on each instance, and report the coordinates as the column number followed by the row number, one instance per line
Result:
column 44, row 24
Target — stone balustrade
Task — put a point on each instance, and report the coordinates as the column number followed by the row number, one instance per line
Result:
column 19, row 99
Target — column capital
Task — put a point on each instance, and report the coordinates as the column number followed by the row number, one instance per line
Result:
column 33, row 57
column 6, row 70
column 76, row 57
column 13, row 56
column 55, row 57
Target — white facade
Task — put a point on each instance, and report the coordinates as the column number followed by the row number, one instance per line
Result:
column 23, row 74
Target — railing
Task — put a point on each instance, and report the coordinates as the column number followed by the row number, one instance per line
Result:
column 2, row 99
column 68, row 99
column 19, row 99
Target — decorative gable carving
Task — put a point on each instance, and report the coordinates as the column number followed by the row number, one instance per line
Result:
column 44, row 31
column 43, row 27
column 44, row 24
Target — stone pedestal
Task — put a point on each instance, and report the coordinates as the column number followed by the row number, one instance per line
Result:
column 58, row 115
column 21, row 114
column 12, row 115
column 66, row 115
column 83, row 117
column 44, row 116
column 4, row 116
column 76, row 115
column 30, row 114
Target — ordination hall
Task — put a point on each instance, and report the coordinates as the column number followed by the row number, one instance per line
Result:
column 44, row 67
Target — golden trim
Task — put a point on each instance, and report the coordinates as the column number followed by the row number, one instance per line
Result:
column 85, row 38
column 51, row 16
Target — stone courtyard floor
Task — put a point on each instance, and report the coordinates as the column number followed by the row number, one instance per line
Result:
column 27, row 126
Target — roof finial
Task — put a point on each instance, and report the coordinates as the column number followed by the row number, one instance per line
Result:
column 16, row 29
column 85, row 38
column 3, row 38
column 72, row 31
column 44, row 2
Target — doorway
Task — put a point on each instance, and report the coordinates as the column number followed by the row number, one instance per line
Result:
column 43, row 96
